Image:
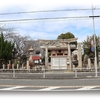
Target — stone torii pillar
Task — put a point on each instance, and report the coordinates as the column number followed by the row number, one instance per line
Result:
column 69, row 55
column 46, row 56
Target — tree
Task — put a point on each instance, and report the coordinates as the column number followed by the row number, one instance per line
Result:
column 66, row 36
column 87, row 46
column 13, row 37
column 5, row 49
column 18, row 40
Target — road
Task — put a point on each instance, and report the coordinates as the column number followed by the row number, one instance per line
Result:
column 49, row 75
column 50, row 81
column 68, row 85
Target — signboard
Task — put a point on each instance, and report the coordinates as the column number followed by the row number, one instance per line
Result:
column 92, row 42
column 92, row 46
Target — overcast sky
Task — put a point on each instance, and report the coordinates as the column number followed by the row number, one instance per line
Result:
column 50, row 29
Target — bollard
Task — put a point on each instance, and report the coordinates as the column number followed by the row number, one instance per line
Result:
column 43, row 72
column 76, row 73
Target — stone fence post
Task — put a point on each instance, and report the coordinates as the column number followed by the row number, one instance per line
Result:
column 89, row 63
column 17, row 66
column 8, row 66
column 3, row 66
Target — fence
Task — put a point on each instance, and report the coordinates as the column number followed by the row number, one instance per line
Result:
column 40, row 73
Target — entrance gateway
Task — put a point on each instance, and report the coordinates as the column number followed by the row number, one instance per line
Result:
column 60, row 51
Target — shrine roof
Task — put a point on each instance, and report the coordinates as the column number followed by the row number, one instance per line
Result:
column 36, row 57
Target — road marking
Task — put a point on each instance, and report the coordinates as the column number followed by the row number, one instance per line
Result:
column 89, row 76
column 48, row 89
column 87, row 88
column 11, row 88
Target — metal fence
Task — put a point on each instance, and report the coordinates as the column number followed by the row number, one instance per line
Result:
column 40, row 73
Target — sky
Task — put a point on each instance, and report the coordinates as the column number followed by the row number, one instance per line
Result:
column 51, row 29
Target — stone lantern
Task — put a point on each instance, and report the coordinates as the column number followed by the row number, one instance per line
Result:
column 31, row 62
column 31, row 50
column 14, row 55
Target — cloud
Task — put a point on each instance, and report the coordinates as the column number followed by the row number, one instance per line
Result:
column 42, row 35
column 45, row 4
column 52, row 28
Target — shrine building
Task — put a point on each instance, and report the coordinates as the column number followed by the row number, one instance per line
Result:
column 60, row 52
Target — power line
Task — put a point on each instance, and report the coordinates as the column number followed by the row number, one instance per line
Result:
column 45, row 11
column 31, row 21
column 39, row 19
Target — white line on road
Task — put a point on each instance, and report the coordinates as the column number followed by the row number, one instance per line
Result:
column 48, row 89
column 51, row 88
column 11, row 88
column 87, row 88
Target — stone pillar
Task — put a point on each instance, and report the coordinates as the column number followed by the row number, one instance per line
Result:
column 22, row 66
column 17, row 66
column 31, row 62
column 9, row 62
column 79, row 56
column 3, row 66
column 28, row 64
column 99, row 64
column 8, row 66
column 13, row 66
column 69, row 56
column 46, row 56
column 89, row 63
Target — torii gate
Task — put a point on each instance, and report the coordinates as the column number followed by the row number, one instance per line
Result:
column 47, row 44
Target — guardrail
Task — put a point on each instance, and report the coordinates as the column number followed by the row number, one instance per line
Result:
column 48, row 73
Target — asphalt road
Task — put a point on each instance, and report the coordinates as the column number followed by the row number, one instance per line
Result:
column 68, row 85
column 51, row 82
column 54, row 89
column 49, row 75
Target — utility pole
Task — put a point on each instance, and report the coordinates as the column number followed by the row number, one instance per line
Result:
column 96, row 73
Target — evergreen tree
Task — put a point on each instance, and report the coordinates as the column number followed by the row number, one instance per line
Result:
column 67, row 35
column 87, row 46
column 5, row 50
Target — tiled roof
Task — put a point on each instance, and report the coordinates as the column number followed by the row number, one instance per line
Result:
column 36, row 57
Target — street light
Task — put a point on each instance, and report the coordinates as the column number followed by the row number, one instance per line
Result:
column 96, row 73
